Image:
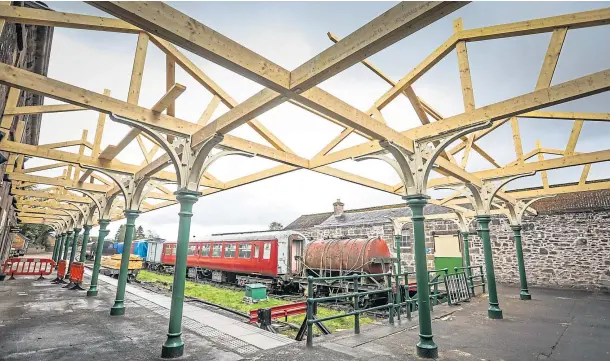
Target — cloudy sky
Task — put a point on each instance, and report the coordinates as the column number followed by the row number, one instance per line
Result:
column 290, row 34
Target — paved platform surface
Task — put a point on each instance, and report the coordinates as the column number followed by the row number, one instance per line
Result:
column 558, row 325
column 42, row 321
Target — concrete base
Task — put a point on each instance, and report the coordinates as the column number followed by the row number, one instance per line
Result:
column 117, row 311
column 91, row 293
column 427, row 351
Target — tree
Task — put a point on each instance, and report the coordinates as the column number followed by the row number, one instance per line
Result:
column 152, row 234
column 140, row 233
column 119, row 236
column 36, row 233
column 275, row 226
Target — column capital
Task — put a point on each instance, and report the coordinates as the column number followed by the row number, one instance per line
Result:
column 87, row 227
column 103, row 222
column 516, row 227
column 485, row 218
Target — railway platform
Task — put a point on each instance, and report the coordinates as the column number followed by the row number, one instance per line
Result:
column 42, row 321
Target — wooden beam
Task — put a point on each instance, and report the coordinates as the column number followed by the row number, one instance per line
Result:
column 584, row 174
column 48, row 203
column 333, row 143
column 99, row 130
column 543, row 175
column 12, row 99
column 551, row 58
column 43, row 109
column 169, row 98
column 467, row 151
column 23, row 15
column 463, row 65
column 68, row 143
column 170, row 81
column 81, row 151
column 574, row 134
column 604, row 117
column 55, row 196
column 38, row 84
column 537, row 26
column 514, row 125
column 547, row 164
column 44, row 167
column 209, row 110
column 58, row 182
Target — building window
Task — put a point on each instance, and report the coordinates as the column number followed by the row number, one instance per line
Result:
column 229, row 250
column 244, row 250
column 205, row 250
column 216, row 250
column 405, row 239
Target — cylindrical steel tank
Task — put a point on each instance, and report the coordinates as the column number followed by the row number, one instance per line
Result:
column 347, row 255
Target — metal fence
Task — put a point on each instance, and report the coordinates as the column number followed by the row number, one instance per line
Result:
column 312, row 301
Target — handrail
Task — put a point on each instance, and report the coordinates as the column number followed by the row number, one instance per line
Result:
column 470, row 277
column 356, row 294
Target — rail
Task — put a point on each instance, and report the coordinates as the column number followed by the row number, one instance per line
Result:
column 312, row 301
column 471, row 277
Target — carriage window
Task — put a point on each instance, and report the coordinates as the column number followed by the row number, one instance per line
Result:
column 173, row 250
column 216, row 250
column 191, row 250
column 244, row 250
column 205, row 250
column 256, row 251
column 230, row 250
column 267, row 251
column 168, row 250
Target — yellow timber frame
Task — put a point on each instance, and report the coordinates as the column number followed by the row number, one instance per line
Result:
column 171, row 28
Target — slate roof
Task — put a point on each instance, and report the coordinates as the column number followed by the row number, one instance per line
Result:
column 372, row 215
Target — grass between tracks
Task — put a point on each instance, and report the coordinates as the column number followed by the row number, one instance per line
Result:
column 233, row 299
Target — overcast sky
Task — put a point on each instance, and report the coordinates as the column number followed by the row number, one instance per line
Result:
column 290, row 34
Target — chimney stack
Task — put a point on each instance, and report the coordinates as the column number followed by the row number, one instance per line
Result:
column 338, row 208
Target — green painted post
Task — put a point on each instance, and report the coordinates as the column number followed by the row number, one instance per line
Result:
column 83, row 247
column 118, row 309
column 55, row 247
column 467, row 260
column 525, row 293
column 397, row 242
column 60, row 249
column 494, row 311
column 174, row 346
column 425, row 347
column 67, row 244
column 98, row 257
column 73, row 251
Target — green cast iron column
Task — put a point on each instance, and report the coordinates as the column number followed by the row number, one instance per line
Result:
column 83, row 247
column 174, row 346
column 397, row 244
column 73, row 252
column 425, row 347
column 98, row 256
column 525, row 293
column 118, row 309
column 467, row 256
column 55, row 248
column 67, row 244
column 60, row 249
column 494, row 310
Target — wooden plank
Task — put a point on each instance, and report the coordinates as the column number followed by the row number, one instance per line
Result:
column 170, row 80
column 543, row 175
column 574, row 134
column 169, row 98
column 43, row 109
column 514, row 125
column 551, row 58
column 44, row 167
column 333, row 143
column 467, row 151
column 81, row 151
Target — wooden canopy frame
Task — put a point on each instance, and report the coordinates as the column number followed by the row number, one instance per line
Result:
column 165, row 27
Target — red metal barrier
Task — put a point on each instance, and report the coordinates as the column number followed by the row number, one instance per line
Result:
column 77, row 271
column 61, row 268
column 282, row 311
column 28, row 267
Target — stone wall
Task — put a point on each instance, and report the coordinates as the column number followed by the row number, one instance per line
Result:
column 560, row 250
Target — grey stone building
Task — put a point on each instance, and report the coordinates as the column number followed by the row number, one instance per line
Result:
column 566, row 245
column 27, row 47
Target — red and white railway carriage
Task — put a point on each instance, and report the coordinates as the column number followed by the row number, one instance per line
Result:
column 271, row 257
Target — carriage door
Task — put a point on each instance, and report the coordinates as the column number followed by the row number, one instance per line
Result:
column 447, row 253
column 296, row 250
